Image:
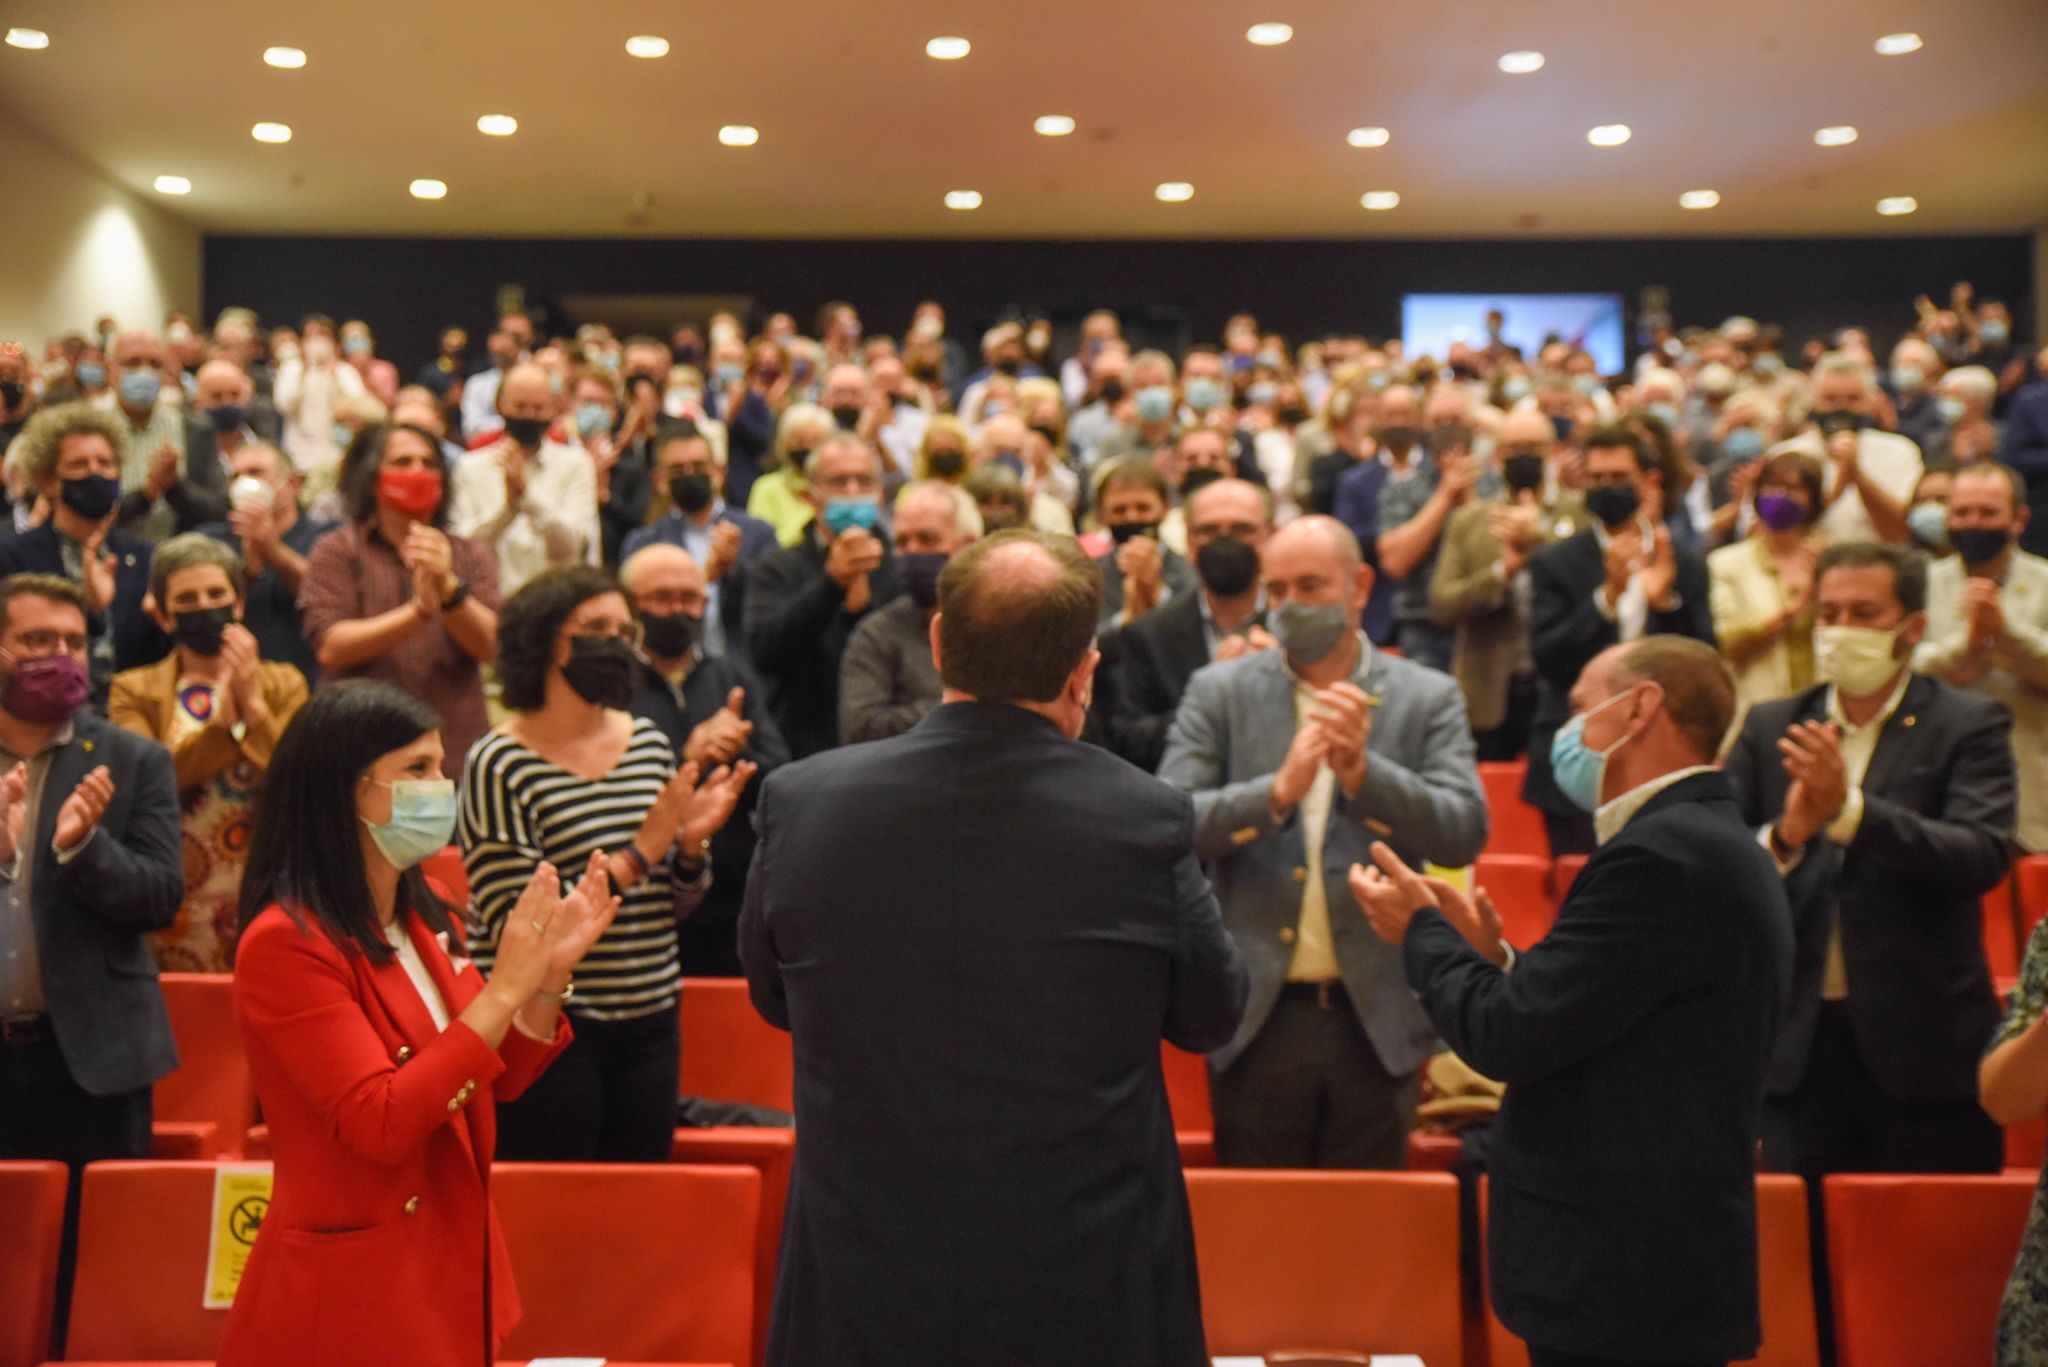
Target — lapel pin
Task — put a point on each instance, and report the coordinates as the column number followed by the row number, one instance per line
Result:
column 88, row 747
column 1909, row 721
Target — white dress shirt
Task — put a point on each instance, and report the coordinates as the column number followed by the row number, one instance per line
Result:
column 554, row 524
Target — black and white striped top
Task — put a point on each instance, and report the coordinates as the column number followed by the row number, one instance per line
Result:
column 519, row 809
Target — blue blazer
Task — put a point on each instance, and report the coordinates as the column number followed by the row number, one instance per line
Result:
column 137, row 641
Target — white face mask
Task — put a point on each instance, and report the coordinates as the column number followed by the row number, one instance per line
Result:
column 1857, row 660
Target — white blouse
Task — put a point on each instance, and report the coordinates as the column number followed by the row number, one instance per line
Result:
column 416, row 969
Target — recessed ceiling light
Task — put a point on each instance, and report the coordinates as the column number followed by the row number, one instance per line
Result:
column 963, row 199
column 948, row 49
column 497, row 125
column 1699, row 199
column 429, row 189
column 1835, row 135
column 271, row 132
column 1378, row 200
column 1052, row 125
column 1898, row 44
column 1608, row 135
column 646, row 45
column 284, row 58
column 1268, row 35
column 33, row 39
column 1175, row 191
column 1893, row 205
column 739, row 135
column 173, row 185
column 1521, row 63
column 1367, row 137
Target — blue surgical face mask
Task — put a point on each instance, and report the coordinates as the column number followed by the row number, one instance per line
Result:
column 342, row 436
column 1928, row 522
column 1515, row 388
column 1768, row 365
column 1743, row 443
column 1664, row 412
column 1952, row 409
column 91, row 374
column 592, row 418
column 1908, row 379
column 355, row 346
column 1262, row 392
column 1578, row 771
column 422, row 820
column 1155, row 403
column 1589, row 385
column 726, row 374
column 844, row 513
column 1204, row 394
column 1994, row 331
column 140, row 387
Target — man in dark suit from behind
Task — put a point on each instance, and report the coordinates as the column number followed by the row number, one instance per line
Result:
column 1228, row 522
column 1633, row 1038
column 986, row 1169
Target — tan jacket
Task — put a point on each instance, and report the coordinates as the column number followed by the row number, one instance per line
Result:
column 1468, row 596
column 145, row 701
column 1745, row 594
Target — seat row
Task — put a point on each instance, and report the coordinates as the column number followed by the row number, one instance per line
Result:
column 656, row 1264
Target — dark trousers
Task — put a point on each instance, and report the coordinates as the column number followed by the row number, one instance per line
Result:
column 1425, row 643
column 1507, row 742
column 708, row 940
column 1553, row 1357
column 1310, row 1091
column 45, row 1114
column 609, row 1098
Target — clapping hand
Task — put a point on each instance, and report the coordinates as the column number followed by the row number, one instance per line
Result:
column 721, row 737
column 1251, row 643
column 578, row 924
column 1660, row 576
column 1343, row 712
column 711, row 806
column 1812, row 754
column 13, row 808
column 1389, row 894
column 82, row 811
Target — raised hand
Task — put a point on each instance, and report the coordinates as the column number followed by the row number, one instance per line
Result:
column 99, row 569
column 725, row 551
column 583, row 918
column 1473, row 917
column 13, row 808
column 720, row 737
column 1661, row 575
column 1297, row 772
column 1344, row 712
column 711, row 806
column 82, row 811
column 1812, row 753
column 1390, row 893
column 525, row 945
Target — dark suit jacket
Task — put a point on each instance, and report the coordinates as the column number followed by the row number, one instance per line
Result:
column 986, row 1171
column 1159, row 653
column 2026, row 450
column 201, row 494
column 1174, row 572
column 757, row 540
column 1938, row 810
column 136, row 639
column 1566, row 631
column 797, row 627
column 93, row 913
column 1633, row 1040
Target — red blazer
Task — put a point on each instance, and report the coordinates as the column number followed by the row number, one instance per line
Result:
column 379, row 1245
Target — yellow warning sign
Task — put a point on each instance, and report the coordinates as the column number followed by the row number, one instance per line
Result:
column 241, row 1198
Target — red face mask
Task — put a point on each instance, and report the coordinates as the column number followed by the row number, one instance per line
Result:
column 416, row 493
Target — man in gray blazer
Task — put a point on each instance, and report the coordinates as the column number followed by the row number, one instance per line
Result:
column 1298, row 759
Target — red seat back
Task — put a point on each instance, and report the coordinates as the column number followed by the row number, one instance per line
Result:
column 1519, row 885
column 729, row 1052
column 1513, row 826
column 2030, row 878
column 1364, row 1262
column 447, row 869
column 1918, row 1265
column 2001, row 942
column 211, row 1085
column 1187, row 1089
column 32, row 1216
column 771, row 1153
column 142, row 1240
column 631, row 1261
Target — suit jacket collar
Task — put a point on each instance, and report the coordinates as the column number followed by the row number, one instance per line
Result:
column 986, row 719
column 1920, row 695
column 1709, row 787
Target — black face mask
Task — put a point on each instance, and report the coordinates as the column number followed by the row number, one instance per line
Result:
column 11, row 392
column 1294, row 415
column 600, row 669
column 1120, row 532
column 1522, row 470
column 688, row 355
column 526, row 431
column 796, row 457
column 691, row 493
column 92, row 497
column 227, row 417
column 847, row 416
column 946, row 464
column 1228, row 566
column 1003, row 520
column 200, row 631
column 1613, row 504
column 1196, row 480
column 1979, row 545
column 921, row 577
column 1009, row 365
column 671, row 636
column 1400, row 439
column 1113, row 391
column 1049, row 432
column 1839, row 420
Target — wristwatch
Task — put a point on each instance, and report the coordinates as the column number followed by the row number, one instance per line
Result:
column 457, row 598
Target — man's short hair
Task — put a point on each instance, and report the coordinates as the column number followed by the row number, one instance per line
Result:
column 1007, row 635
column 832, row 441
column 1699, row 690
column 1908, row 567
column 186, row 551
column 1618, row 434
column 42, row 441
column 1992, row 469
column 54, row 587
column 1133, row 471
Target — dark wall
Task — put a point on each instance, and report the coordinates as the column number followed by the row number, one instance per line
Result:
column 408, row 288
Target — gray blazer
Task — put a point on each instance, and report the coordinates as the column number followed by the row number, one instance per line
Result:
column 1421, row 794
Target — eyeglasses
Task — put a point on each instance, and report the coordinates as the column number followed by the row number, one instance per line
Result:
column 41, row 642
column 847, row 484
column 629, row 633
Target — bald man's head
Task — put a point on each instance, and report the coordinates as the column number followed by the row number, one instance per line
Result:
column 666, row 591
column 1018, row 613
column 222, row 384
column 1526, row 428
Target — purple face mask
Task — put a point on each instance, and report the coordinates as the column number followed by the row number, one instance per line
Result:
column 1779, row 512
column 46, row 691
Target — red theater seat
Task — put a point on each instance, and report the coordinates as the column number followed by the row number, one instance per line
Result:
column 2001, row 944
column 1513, row 826
column 202, row 1109
column 1918, row 1265
column 770, row 1152
column 729, row 1052
column 446, row 868
column 652, row 1262
column 1362, row 1262
column 31, row 1228
column 1520, row 887
column 142, row 1240
column 2030, row 877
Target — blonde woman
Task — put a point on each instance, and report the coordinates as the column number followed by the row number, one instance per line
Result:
column 780, row 497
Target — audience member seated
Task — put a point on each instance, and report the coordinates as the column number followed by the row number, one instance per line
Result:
column 887, row 678
column 71, row 456
column 1481, row 589
column 1298, row 759
column 1870, row 472
column 569, row 776
column 713, row 711
column 999, row 497
column 1139, row 574
column 310, row 387
column 1762, row 585
column 156, row 431
column 725, row 542
column 781, row 496
column 1228, row 522
column 1619, row 580
column 531, row 499
column 391, row 595
column 1987, row 625
column 219, row 707
column 805, row 601
column 273, row 538
column 1887, row 799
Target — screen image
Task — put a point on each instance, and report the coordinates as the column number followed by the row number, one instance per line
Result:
column 1431, row 322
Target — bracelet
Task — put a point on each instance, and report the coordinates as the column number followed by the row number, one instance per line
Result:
column 568, row 991
column 636, row 859
column 457, row 598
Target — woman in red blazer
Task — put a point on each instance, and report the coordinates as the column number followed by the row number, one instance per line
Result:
column 379, row 1053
